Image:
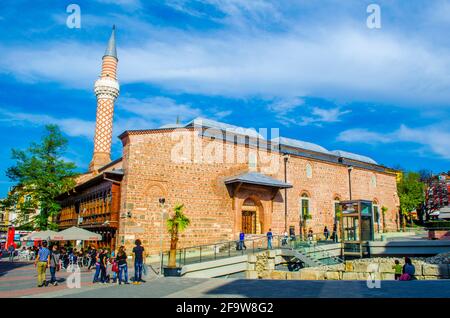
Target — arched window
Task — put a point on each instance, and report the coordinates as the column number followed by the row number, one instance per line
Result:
column 309, row 171
column 336, row 208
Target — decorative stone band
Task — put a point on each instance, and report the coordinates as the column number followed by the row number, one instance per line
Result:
column 106, row 88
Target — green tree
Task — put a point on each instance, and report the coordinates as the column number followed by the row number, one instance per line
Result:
column 176, row 224
column 411, row 193
column 41, row 174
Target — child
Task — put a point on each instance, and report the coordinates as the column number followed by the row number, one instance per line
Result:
column 398, row 270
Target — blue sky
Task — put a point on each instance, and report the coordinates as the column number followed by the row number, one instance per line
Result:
column 313, row 69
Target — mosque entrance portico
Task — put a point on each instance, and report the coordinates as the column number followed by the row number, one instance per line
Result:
column 253, row 195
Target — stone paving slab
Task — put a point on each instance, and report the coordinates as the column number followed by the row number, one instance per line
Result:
column 19, row 281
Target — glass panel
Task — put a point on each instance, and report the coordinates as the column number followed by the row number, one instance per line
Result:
column 305, row 207
column 350, row 208
column 366, row 228
column 350, row 228
column 366, row 208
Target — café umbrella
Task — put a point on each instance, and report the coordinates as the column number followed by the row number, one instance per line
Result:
column 76, row 234
column 40, row 236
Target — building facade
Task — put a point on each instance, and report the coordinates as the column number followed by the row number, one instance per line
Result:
column 230, row 179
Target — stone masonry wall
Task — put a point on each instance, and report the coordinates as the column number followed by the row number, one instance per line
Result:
column 151, row 173
column 426, row 268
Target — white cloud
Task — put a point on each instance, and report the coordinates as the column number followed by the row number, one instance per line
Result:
column 73, row 127
column 339, row 59
column 331, row 115
column 125, row 4
column 435, row 139
column 286, row 114
column 283, row 106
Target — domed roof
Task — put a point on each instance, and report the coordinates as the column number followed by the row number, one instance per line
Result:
column 354, row 156
column 168, row 126
column 300, row 144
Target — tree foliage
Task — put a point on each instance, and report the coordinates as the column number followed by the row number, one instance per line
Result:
column 40, row 173
column 411, row 192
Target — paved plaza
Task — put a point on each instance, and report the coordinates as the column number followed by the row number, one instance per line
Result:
column 18, row 279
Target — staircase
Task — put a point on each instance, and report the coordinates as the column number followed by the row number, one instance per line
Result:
column 313, row 255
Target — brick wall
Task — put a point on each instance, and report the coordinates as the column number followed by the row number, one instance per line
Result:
column 151, row 173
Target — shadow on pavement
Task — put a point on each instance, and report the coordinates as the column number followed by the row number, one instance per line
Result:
column 6, row 266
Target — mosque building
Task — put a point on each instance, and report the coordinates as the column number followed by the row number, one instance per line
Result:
column 230, row 179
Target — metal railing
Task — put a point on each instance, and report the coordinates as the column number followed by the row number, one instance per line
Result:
column 221, row 250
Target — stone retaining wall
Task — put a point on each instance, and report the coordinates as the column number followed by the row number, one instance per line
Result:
column 437, row 267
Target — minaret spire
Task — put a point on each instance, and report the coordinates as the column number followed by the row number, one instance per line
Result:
column 111, row 48
column 107, row 90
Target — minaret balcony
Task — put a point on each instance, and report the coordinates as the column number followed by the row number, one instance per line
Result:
column 106, row 88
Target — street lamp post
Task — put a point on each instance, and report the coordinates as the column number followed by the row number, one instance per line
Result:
column 286, row 158
column 162, row 202
column 350, row 168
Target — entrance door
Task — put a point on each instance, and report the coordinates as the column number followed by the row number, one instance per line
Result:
column 366, row 228
column 249, row 222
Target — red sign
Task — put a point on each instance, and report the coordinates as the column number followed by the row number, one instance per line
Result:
column 10, row 239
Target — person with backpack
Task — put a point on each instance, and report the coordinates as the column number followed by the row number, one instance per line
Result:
column 122, row 264
column 54, row 264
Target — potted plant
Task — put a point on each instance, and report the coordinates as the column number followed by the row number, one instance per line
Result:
column 176, row 224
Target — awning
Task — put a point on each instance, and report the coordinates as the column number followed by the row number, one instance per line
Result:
column 256, row 178
column 39, row 236
column 75, row 233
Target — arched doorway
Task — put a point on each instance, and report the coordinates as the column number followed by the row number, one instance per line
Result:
column 251, row 219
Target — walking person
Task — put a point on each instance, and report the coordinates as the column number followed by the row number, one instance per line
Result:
column 54, row 264
column 241, row 240
column 138, row 252
column 97, row 266
column 269, row 239
column 114, row 266
column 92, row 256
column 103, row 264
column 123, row 266
column 335, row 235
column 284, row 242
column 11, row 251
column 326, row 233
column 41, row 263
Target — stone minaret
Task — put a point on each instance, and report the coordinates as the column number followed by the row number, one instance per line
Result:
column 106, row 89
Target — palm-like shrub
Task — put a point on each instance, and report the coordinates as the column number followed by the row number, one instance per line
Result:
column 176, row 224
